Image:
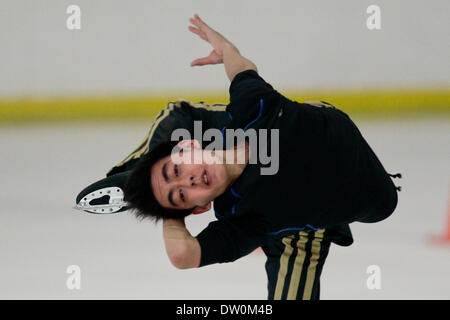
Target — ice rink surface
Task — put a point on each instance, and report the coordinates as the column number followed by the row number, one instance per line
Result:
column 43, row 167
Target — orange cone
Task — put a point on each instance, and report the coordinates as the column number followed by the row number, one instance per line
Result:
column 444, row 238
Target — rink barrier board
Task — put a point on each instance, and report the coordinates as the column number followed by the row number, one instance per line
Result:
column 375, row 103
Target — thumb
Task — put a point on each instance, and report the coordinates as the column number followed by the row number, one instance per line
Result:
column 200, row 61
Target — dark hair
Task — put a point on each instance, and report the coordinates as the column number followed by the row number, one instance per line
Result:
column 138, row 189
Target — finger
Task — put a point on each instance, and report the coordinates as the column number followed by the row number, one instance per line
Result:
column 200, row 23
column 194, row 30
column 199, row 20
column 200, row 33
column 195, row 22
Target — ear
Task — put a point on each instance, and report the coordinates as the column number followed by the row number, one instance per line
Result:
column 187, row 144
column 201, row 209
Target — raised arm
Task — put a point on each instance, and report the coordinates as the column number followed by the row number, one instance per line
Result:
column 223, row 50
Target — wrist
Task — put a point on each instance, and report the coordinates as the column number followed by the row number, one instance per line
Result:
column 229, row 47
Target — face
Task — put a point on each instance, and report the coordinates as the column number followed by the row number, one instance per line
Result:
column 187, row 185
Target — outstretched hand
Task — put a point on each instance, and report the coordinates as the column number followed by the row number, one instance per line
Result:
column 211, row 36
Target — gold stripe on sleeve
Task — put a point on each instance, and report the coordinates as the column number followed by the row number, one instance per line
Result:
column 298, row 266
column 161, row 116
column 167, row 111
column 315, row 255
column 145, row 143
column 284, row 261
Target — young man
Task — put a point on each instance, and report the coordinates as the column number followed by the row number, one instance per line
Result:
column 327, row 177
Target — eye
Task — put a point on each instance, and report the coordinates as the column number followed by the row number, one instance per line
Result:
column 181, row 195
column 175, row 169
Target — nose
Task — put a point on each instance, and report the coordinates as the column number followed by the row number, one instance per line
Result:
column 193, row 181
column 188, row 181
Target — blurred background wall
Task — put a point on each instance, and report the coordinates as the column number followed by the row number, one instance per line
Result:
column 136, row 54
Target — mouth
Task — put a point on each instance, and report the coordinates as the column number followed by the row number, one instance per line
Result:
column 206, row 178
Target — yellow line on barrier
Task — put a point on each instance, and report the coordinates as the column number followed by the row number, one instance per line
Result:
column 103, row 108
